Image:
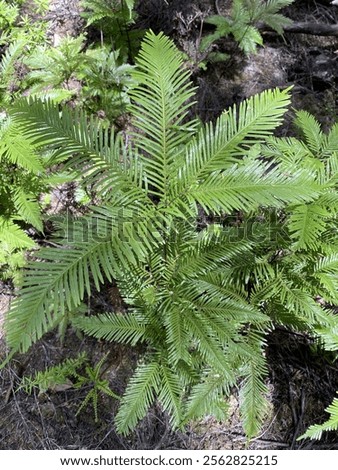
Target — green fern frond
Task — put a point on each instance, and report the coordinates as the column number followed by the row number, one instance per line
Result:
column 139, row 396
column 28, row 208
column 61, row 280
column 72, row 135
column 126, row 328
column 11, row 55
column 218, row 146
column 307, row 223
column 178, row 340
column 315, row 431
column 53, row 376
column 253, row 400
column 311, row 130
column 13, row 236
column 208, row 346
column 331, row 143
column 207, row 398
column 17, row 148
column 171, row 394
column 160, row 104
column 248, row 186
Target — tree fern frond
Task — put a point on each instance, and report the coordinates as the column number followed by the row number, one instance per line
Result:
column 17, row 148
column 100, row 155
column 306, row 224
column 139, row 396
column 311, row 130
column 13, row 236
column 28, row 208
column 331, row 143
column 62, row 277
column 123, row 328
column 9, row 58
column 207, row 345
column 298, row 302
column 177, row 337
column 248, row 186
column 160, row 104
column 171, row 394
column 253, row 401
column 207, row 249
column 216, row 147
column 207, row 398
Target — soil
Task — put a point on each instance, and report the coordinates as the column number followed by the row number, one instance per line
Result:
column 302, row 383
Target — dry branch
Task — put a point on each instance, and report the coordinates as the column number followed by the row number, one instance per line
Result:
column 316, row 29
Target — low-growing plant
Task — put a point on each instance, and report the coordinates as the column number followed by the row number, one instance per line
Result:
column 15, row 26
column 58, row 377
column 72, row 373
column 24, row 175
column 106, row 80
column 97, row 384
column 55, row 66
column 200, row 296
column 113, row 19
column 242, row 23
column 19, row 207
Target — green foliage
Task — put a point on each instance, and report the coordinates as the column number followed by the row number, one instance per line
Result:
column 54, row 377
column 105, row 82
column 68, row 375
column 201, row 298
column 24, row 175
column 9, row 12
column 113, row 19
column 10, row 82
column 97, row 385
column 243, row 21
column 97, row 78
column 55, row 66
column 20, row 184
column 14, row 26
column 20, row 34
column 316, row 430
column 41, row 6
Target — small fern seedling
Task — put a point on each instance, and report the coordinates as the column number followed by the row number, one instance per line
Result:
column 93, row 379
column 243, row 22
column 54, row 377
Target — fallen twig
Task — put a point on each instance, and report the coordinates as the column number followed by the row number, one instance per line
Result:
column 315, row 29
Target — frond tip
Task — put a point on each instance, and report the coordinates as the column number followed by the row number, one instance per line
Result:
column 315, row 431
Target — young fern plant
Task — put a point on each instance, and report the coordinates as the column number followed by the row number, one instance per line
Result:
column 68, row 375
column 202, row 334
column 243, row 22
column 114, row 18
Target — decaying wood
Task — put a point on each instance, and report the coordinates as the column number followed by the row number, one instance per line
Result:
column 315, row 29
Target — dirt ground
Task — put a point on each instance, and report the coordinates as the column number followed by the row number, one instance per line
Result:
column 301, row 381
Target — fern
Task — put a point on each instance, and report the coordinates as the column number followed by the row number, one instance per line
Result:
column 316, row 430
column 243, row 21
column 200, row 299
column 54, row 376
column 97, row 384
column 139, row 395
column 68, row 374
column 54, row 66
column 106, row 80
column 113, row 18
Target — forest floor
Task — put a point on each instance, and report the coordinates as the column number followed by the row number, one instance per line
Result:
column 301, row 382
